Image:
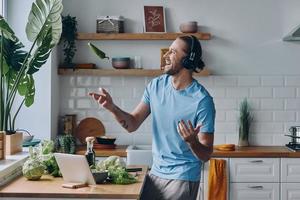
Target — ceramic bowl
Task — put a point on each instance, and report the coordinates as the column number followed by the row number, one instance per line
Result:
column 189, row 27
column 100, row 177
column 121, row 62
column 106, row 140
column 27, row 138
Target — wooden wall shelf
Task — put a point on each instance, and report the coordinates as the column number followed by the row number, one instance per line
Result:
column 139, row 36
column 120, row 72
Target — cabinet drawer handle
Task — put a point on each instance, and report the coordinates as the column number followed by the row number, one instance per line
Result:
column 257, row 187
column 256, row 161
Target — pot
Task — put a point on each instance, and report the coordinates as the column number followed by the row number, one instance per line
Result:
column 295, row 134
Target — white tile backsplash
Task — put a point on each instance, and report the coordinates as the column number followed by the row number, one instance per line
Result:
column 261, row 92
column 286, row 92
column 292, row 81
column 272, row 81
column 275, row 102
column 248, row 81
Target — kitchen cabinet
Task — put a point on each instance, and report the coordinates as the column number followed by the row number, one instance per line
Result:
column 251, row 191
column 290, row 178
column 254, row 170
column 290, row 191
column 254, row 178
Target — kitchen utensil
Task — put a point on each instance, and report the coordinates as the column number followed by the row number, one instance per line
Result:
column 295, row 131
column 292, row 136
column 105, row 140
column 100, row 177
column 89, row 127
column 121, row 62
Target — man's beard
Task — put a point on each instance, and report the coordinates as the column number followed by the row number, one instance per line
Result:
column 171, row 71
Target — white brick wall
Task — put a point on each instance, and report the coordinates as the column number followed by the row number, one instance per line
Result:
column 275, row 102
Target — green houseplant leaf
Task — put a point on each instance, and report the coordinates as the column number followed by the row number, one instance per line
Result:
column 44, row 14
column 7, row 32
column 44, row 28
column 41, row 54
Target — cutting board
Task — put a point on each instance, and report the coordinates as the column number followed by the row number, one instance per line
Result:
column 89, row 127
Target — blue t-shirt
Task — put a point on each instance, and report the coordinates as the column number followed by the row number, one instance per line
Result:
column 172, row 157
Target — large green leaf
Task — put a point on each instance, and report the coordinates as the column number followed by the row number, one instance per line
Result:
column 13, row 53
column 45, row 14
column 6, row 30
column 41, row 54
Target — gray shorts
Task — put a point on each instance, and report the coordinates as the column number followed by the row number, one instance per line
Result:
column 156, row 188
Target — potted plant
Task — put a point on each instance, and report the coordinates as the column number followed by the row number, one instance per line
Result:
column 17, row 65
column 245, row 120
column 68, row 36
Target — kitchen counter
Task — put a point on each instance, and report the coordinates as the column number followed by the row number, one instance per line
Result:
column 50, row 187
column 258, row 151
column 252, row 151
column 120, row 150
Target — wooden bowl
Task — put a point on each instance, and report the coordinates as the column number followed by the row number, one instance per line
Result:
column 189, row 27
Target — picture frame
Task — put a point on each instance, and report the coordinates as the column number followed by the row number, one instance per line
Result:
column 154, row 19
column 163, row 51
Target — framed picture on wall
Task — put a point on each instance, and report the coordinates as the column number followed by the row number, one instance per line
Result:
column 154, row 19
column 163, row 51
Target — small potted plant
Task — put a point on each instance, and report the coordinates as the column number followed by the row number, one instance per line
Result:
column 245, row 119
column 68, row 37
column 17, row 65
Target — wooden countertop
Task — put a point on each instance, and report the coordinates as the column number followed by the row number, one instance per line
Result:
column 50, row 187
column 258, row 151
column 120, row 150
column 252, row 151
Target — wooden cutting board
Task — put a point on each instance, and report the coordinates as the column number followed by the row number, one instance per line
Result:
column 89, row 127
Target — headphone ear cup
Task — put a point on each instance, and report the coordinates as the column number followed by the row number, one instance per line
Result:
column 187, row 63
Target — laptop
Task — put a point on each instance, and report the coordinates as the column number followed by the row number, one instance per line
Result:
column 74, row 168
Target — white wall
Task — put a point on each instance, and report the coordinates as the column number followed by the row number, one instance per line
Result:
column 37, row 118
column 246, row 55
column 247, row 35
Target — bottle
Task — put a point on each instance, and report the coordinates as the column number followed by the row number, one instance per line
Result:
column 90, row 153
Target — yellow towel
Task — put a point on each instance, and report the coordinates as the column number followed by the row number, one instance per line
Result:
column 217, row 180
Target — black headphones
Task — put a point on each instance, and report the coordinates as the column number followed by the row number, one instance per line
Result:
column 188, row 61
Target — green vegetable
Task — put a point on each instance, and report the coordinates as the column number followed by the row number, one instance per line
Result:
column 116, row 170
column 97, row 51
column 33, row 168
column 119, row 175
column 46, row 156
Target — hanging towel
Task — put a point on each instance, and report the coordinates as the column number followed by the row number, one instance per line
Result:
column 217, row 180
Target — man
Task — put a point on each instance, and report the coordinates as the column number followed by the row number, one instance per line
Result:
column 183, row 115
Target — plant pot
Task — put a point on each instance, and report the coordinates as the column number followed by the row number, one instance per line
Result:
column 243, row 138
column 13, row 143
column 243, row 142
column 2, row 145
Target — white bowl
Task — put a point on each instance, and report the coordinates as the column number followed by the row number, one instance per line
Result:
column 27, row 138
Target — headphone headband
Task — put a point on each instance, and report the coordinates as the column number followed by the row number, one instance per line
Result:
column 192, row 53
